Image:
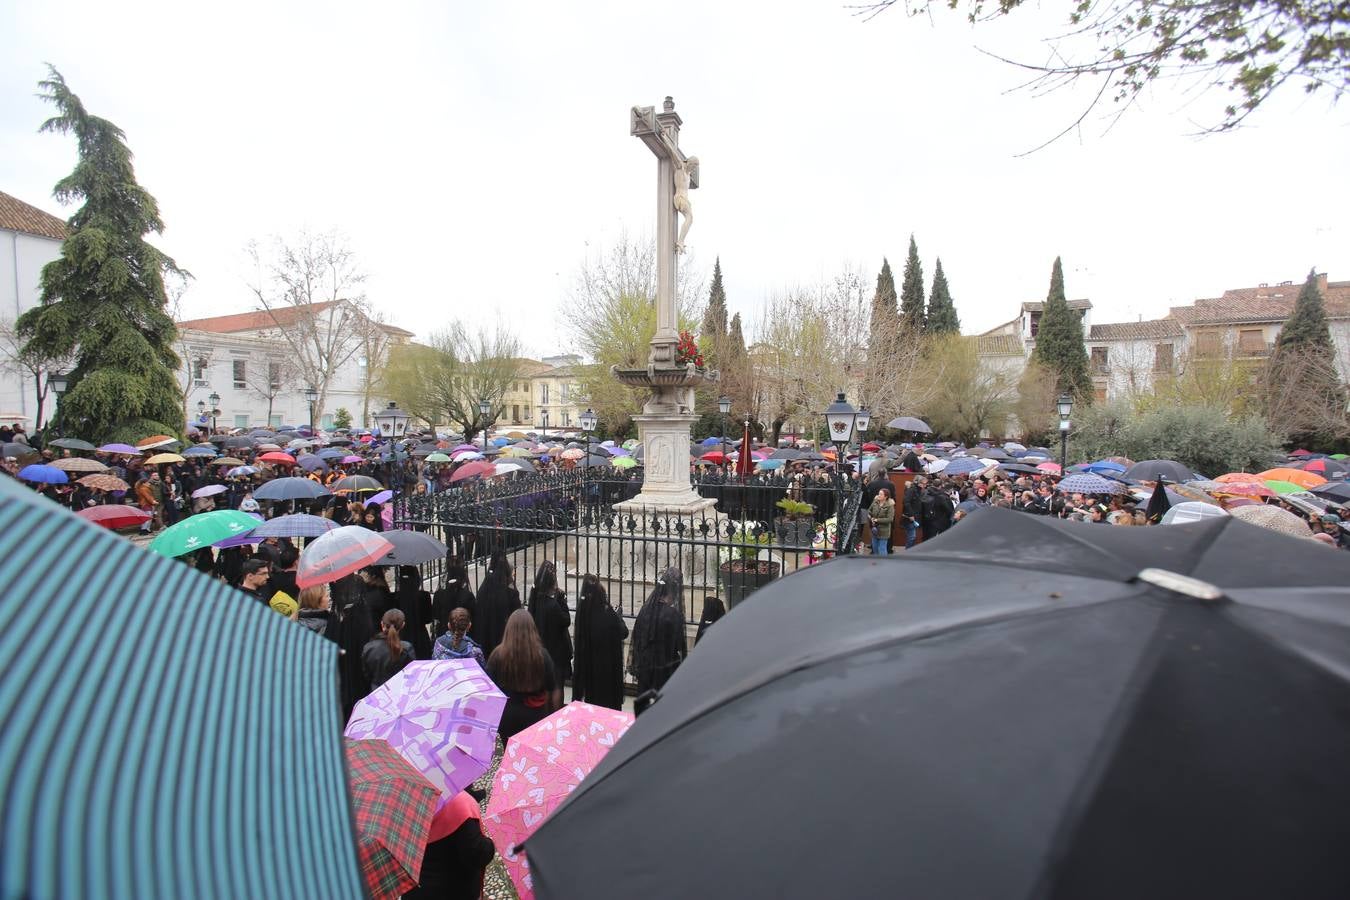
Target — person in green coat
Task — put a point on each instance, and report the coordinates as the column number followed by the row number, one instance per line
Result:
column 882, row 512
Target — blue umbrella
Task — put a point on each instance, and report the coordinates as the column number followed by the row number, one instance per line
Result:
column 713, row 442
column 1102, row 466
column 199, row 451
column 292, row 526
column 1089, row 484
column 291, row 489
column 119, row 778
column 963, row 465
column 43, row 474
column 310, row 463
column 240, row 471
column 331, row 453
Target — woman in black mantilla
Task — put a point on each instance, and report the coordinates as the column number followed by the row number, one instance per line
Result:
column 453, row 594
column 598, row 673
column 548, row 608
column 497, row 599
column 416, row 606
column 659, row 644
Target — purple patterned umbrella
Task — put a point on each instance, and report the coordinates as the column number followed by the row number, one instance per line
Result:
column 1089, row 484
column 441, row 715
column 124, row 449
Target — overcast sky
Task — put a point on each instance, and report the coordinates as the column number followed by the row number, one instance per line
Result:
column 475, row 153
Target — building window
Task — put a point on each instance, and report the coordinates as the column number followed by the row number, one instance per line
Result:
column 567, row 418
column 543, row 394
column 274, row 375
column 1162, row 358
column 241, row 421
column 1099, row 395
column 275, row 421
column 240, row 373
column 565, row 391
column 1099, row 355
column 1035, row 323
column 327, row 423
column 199, row 372
column 526, row 410
column 1252, row 341
column 1208, row 343
column 515, row 412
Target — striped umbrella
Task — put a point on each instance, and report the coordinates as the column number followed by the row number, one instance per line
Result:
column 116, row 779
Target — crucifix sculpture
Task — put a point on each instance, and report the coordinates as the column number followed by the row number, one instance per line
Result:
column 666, row 418
column 677, row 175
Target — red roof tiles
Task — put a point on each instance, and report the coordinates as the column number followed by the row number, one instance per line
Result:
column 15, row 215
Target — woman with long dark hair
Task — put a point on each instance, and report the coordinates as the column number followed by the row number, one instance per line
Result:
column 497, row 600
column 598, row 674
column 548, row 608
column 416, row 606
column 523, row 671
column 386, row 655
column 659, row 644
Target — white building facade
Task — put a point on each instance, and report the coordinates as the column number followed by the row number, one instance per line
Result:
column 246, row 361
column 29, row 239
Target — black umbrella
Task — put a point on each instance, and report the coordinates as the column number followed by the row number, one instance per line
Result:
column 909, row 423
column 1334, row 490
column 788, row 453
column 1020, row 468
column 238, row 441
column 290, row 489
column 994, row 453
column 411, row 548
column 1036, row 713
column 73, row 444
column 1158, row 504
column 1153, row 469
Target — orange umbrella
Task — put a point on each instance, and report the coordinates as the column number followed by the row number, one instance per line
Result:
column 1245, row 489
column 1239, row 476
column 1297, row 476
column 156, row 440
column 283, row 459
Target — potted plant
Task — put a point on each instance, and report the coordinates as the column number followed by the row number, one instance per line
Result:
column 742, row 571
column 795, row 527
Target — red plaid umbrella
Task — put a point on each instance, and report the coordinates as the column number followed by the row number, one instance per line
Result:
column 393, row 805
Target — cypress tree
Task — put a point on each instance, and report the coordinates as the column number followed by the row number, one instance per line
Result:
column 1059, row 341
column 735, row 340
column 911, row 291
column 715, row 316
column 1306, row 328
column 104, row 299
column 942, row 317
column 884, row 312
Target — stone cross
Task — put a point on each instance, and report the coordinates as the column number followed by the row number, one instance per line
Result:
column 661, row 133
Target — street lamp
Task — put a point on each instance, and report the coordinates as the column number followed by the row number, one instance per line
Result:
column 313, row 397
column 215, row 409
column 841, row 419
column 543, row 417
column 1065, row 408
column 485, row 410
column 724, row 407
column 864, row 420
column 393, row 424
column 587, row 427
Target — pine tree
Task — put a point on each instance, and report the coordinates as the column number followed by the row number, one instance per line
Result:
column 735, row 340
column 1306, row 328
column 1059, row 342
column 103, row 300
column 942, row 317
column 911, row 291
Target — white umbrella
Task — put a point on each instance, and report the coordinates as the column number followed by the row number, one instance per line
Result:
column 1191, row 511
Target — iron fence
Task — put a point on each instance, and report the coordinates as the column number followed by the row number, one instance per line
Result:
column 579, row 520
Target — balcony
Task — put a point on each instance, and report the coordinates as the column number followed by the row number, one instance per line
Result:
column 1254, row 351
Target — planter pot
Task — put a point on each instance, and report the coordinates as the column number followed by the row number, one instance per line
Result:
column 794, row 532
column 741, row 578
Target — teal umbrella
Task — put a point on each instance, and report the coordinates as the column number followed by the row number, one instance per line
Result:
column 152, row 769
column 202, row 530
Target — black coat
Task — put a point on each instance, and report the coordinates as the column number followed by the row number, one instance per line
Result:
column 416, row 607
column 553, row 620
column 937, row 513
column 453, row 867
column 496, row 601
column 446, row 600
column 379, row 661
column 913, row 502
column 598, row 675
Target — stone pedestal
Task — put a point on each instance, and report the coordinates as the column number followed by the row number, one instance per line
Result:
column 666, row 487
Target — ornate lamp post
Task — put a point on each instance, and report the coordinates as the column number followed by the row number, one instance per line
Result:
column 841, row 419
column 1065, row 408
column 543, row 418
column 724, row 407
column 864, row 420
column 393, row 424
column 484, row 412
column 312, row 396
column 587, row 427
column 215, row 409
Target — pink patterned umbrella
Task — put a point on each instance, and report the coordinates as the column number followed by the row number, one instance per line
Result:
column 440, row 715
column 340, row 552
column 542, row 766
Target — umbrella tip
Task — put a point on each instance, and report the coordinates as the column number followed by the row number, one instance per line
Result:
column 1180, row 584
